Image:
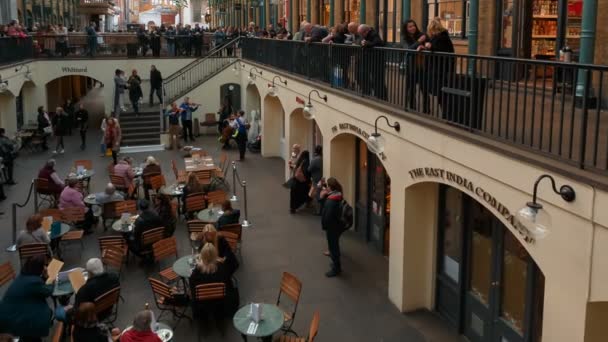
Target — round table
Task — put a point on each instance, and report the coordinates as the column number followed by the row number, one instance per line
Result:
column 163, row 331
column 120, row 227
column 209, row 215
column 90, row 200
column 138, row 171
column 183, row 267
column 85, row 175
column 272, row 321
column 174, row 190
column 64, row 287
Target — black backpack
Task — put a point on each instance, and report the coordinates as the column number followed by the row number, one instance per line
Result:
column 346, row 215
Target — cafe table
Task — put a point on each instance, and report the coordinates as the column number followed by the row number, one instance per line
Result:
column 121, row 227
column 176, row 191
column 163, row 330
column 183, row 266
column 90, row 200
column 63, row 287
column 83, row 176
column 209, row 215
column 204, row 163
column 271, row 322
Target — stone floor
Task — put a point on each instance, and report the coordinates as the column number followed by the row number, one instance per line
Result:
column 353, row 307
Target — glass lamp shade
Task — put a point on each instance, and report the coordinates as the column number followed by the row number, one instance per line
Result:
column 272, row 91
column 375, row 143
column 251, row 80
column 309, row 111
column 536, row 220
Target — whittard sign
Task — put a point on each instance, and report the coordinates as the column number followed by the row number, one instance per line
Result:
column 482, row 195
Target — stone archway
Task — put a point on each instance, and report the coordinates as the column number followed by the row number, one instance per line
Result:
column 273, row 128
column 79, row 88
column 252, row 102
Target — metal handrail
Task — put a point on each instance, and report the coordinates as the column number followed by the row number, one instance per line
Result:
column 13, row 247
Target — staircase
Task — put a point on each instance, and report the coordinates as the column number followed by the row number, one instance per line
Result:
column 140, row 130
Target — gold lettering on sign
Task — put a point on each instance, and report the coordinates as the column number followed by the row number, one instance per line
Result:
column 482, row 195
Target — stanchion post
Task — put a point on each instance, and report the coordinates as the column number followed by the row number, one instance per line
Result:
column 13, row 247
column 246, row 223
column 233, row 198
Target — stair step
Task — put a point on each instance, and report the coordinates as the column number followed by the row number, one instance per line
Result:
column 140, row 129
column 140, row 135
column 140, row 123
column 141, row 141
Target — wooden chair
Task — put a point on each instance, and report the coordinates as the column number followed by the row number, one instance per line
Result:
column 44, row 193
column 166, row 301
column 32, row 249
column 7, row 273
column 110, row 168
column 312, row 332
column 73, row 215
column 195, row 202
column 236, row 229
column 156, row 182
column 164, row 249
column 208, row 299
column 113, row 241
column 291, row 287
column 210, row 120
column 180, row 175
column 195, row 226
column 87, row 164
column 108, row 302
column 56, row 214
column 119, row 183
column 113, row 257
column 113, row 210
column 203, row 176
column 149, row 237
column 216, row 197
column 232, row 239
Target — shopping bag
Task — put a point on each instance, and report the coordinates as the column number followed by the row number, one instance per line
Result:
column 108, row 152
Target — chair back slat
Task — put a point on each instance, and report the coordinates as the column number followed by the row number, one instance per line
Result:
column 196, row 226
column 156, row 182
column 195, row 202
column 203, row 176
column 211, row 291
column 129, row 206
column 86, row 163
column 291, row 286
column 165, row 248
column 232, row 239
column 73, row 214
column 216, row 197
column 113, row 256
column 235, row 228
column 107, row 300
column 112, row 241
column 111, row 169
column 160, row 289
column 32, row 249
column 314, row 327
column 55, row 213
column 118, row 181
column 149, row 237
column 7, row 273
column 41, row 186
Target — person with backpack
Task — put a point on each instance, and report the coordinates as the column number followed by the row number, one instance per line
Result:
column 241, row 134
column 336, row 217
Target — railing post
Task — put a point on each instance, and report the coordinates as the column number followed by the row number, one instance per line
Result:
column 13, row 247
column 233, row 198
column 583, row 133
column 246, row 223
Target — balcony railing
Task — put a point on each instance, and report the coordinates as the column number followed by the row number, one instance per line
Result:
column 556, row 109
column 106, row 45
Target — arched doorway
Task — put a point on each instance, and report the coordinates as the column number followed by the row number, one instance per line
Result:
column 252, row 101
column 487, row 285
column 366, row 184
column 80, row 89
column 273, row 128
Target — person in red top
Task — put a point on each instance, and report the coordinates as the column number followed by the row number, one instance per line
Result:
column 141, row 331
column 112, row 136
column 48, row 172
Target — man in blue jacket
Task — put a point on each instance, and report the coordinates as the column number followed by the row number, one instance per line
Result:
column 187, row 109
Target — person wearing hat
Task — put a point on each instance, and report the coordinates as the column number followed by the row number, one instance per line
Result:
column 148, row 219
column 98, row 283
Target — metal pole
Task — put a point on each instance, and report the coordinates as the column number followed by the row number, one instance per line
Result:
column 246, row 223
column 233, row 198
column 362, row 10
column 587, row 44
column 13, row 247
column 473, row 32
column 406, row 10
column 309, row 10
column 331, row 12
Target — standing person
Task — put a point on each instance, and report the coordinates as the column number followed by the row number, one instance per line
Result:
column 331, row 199
column 197, row 37
column 187, row 108
column 61, row 45
column 44, row 122
column 142, row 39
column 82, row 122
column 300, row 185
column 170, row 36
column 155, row 41
column 174, row 115
column 112, row 136
column 156, row 85
column 373, row 80
column 104, row 125
column 225, row 111
column 241, row 134
column 135, row 92
column 91, row 39
column 119, row 89
column 60, row 126
column 219, row 37
column 8, row 153
column 316, row 175
column 412, row 39
column 68, row 108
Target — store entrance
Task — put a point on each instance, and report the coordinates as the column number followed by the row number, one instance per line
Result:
column 488, row 286
column 373, row 194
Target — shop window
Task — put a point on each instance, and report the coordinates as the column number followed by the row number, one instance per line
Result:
column 351, row 11
column 454, row 15
column 451, row 263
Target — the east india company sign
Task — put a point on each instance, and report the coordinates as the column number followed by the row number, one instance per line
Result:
column 356, row 130
column 482, row 195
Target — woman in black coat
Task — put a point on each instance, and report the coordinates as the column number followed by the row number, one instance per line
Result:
column 412, row 39
column 331, row 211
column 135, row 92
column 300, row 185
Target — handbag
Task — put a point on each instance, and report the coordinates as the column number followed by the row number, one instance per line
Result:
column 299, row 175
column 48, row 130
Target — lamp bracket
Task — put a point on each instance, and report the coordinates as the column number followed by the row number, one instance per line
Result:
column 322, row 97
column 280, row 80
column 566, row 192
column 396, row 125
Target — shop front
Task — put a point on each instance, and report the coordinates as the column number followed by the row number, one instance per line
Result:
column 372, row 199
column 487, row 285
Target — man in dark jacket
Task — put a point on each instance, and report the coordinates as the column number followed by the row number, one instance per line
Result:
column 330, row 200
column 373, row 66
column 60, row 125
column 91, row 40
column 8, row 154
column 148, row 219
column 98, row 283
column 82, row 122
column 156, row 85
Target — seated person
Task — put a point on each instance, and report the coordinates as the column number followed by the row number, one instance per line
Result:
column 192, row 186
column 24, row 310
column 33, row 233
column 230, row 216
column 209, row 270
column 48, row 173
column 152, row 168
column 109, row 195
column 226, row 256
column 87, row 327
column 98, row 283
column 166, row 213
column 123, row 169
column 73, row 198
column 141, row 331
column 148, row 219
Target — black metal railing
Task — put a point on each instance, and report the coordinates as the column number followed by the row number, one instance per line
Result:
column 557, row 109
column 14, row 49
